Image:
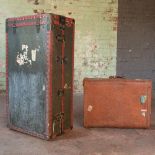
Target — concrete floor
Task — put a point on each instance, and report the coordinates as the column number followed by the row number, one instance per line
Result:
column 79, row 141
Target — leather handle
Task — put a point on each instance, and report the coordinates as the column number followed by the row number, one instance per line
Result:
column 116, row 77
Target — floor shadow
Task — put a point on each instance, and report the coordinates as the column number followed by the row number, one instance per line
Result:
column 153, row 115
column 78, row 110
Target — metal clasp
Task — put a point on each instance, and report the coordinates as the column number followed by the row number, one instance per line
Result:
column 60, row 92
column 58, row 120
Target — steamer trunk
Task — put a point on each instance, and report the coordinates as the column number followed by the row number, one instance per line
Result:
column 39, row 66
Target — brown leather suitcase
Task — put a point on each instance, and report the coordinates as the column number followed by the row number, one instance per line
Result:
column 118, row 103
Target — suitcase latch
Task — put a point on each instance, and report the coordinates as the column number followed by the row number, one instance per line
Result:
column 143, row 99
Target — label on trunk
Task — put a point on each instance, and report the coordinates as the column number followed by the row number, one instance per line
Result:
column 23, row 56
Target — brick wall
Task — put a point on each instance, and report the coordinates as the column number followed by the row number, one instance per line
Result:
column 136, row 39
column 95, row 35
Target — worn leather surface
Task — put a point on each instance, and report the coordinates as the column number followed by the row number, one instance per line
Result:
column 117, row 103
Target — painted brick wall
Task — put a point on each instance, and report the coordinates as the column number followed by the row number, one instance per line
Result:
column 136, row 39
column 95, row 38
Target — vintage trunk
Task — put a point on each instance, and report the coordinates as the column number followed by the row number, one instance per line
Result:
column 39, row 66
column 118, row 103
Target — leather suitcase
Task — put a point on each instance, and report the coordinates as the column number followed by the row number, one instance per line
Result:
column 39, row 68
column 118, row 103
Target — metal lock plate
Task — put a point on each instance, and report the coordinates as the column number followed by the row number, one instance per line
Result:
column 60, row 92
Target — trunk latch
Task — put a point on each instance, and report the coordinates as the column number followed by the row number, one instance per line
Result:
column 58, row 120
column 62, row 60
column 60, row 92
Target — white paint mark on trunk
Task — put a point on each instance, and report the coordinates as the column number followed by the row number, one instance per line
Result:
column 33, row 54
column 23, row 57
column 25, row 47
column 43, row 87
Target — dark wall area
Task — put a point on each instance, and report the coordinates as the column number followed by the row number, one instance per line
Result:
column 136, row 39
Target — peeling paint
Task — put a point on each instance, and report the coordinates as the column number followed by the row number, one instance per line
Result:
column 2, row 64
column 2, row 74
column 90, row 108
column 55, row 7
column 69, row 13
column 33, row 54
column 22, row 57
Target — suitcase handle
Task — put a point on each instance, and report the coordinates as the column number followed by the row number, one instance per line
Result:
column 116, row 77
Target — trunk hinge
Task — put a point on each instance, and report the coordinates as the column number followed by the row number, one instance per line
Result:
column 14, row 27
column 38, row 24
